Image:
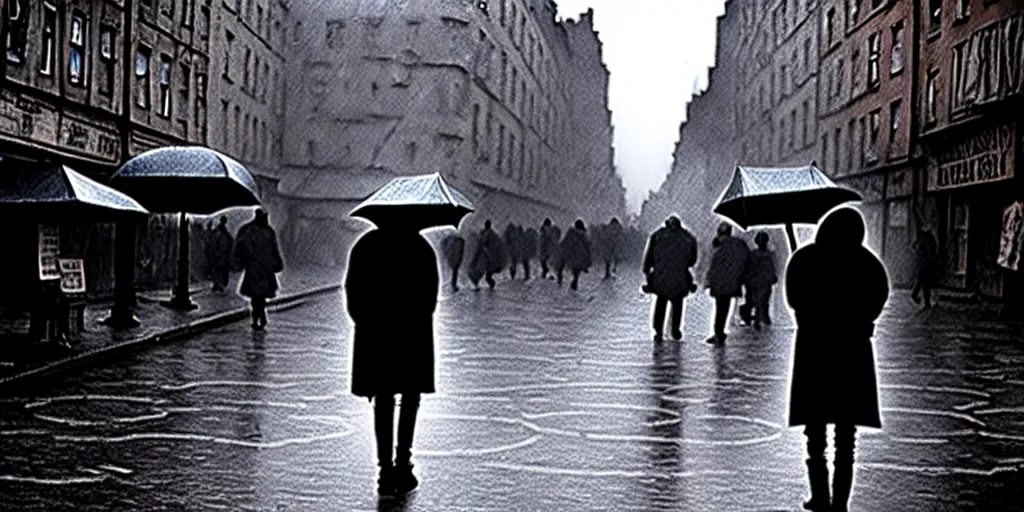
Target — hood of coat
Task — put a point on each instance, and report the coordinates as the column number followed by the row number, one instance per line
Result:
column 843, row 228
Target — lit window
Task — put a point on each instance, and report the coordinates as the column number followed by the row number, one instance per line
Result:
column 963, row 9
column 49, row 55
column 17, row 30
column 142, row 77
column 165, row 85
column 931, row 109
column 76, row 59
column 897, row 48
column 107, row 61
column 874, row 55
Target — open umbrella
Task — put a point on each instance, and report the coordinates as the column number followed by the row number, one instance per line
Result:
column 788, row 195
column 183, row 180
column 49, row 192
column 416, row 201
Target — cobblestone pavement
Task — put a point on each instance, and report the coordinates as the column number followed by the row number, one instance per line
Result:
column 548, row 400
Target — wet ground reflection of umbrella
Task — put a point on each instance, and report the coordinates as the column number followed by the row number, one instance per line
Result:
column 789, row 195
column 420, row 202
column 49, row 192
column 183, row 180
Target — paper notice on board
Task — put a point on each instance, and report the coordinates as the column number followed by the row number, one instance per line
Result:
column 49, row 251
column 1012, row 240
column 72, row 275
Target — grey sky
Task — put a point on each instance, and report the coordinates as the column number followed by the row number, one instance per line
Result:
column 655, row 50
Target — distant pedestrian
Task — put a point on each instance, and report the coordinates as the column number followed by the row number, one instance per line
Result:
column 550, row 235
column 761, row 276
column 391, row 288
column 477, row 262
column 575, row 253
column 670, row 254
column 513, row 247
column 219, row 252
column 926, row 258
column 725, row 276
column 490, row 252
column 612, row 236
column 530, row 241
column 837, row 289
column 257, row 253
column 453, row 246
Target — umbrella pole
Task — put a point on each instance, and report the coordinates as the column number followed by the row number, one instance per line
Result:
column 180, row 297
column 122, row 313
column 792, row 237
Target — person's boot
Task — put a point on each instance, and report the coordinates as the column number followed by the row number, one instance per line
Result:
column 677, row 335
column 386, row 481
column 817, row 475
column 405, row 481
column 842, row 485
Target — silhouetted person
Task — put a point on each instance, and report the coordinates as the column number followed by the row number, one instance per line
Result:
column 478, row 262
column 761, row 276
column 725, row 276
column 393, row 341
column 454, row 247
column 575, row 253
column 926, row 257
column 550, row 235
column 670, row 254
column 530, row 241
column 492, row 250
column 612, row 236
column 218, row 254
column 837, row 289
column 513, row 247
column 257, row 253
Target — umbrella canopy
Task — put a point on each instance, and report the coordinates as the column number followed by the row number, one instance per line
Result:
column 190, row 179
column 796, row 195
column 49, row 191
column 419, row 202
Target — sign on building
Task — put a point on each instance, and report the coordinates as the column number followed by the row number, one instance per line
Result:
column 72, row 275
column 49, row 250
column 982, row 157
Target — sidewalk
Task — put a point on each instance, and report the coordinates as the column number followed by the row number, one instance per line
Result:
column 159, row 323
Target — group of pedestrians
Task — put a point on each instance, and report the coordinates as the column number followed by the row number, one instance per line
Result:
column 517, row 247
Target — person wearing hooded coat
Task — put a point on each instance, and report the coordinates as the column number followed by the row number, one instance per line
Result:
column 837, row 289
column 612, row 235
column 530, row 240
column 575, row 253
column 454, row 246
column 513, row 248
column 761, row 275
column 218, row 254
column 492, row 252
column 393, row 339
column 671, row 253
column 926, row 256
column 257, row 253
column 548, row 250
column 725, row 276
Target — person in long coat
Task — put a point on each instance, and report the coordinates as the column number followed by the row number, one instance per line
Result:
column 454, row 247
column 218, row 254
column 837, row 289
column 671, row 253
column 513, row 248
column 927, row 259
column 612, row 235
column 477, row 263
column 492, row 252
column 761, row 276
column 575, row 253
column 530, row 241
column 258, row 254
column 725, row 276
column 391, row 287
column 548, row 250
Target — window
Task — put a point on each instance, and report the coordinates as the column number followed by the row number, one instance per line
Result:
column 855, row 70
column 476, row 130
column 896, row 51
column 852, row 12
column 783, row 81
column 824, row 152
column 836, row 141
column 165, row 85
column 17, row 30
column 792, row 128
column 963, row 9
column 259, row 19
column 807, row 121
column 224, row 106
column 930, row 95
column 830, row 24
column 851, row 129
column 807, row 56
column 49, row 46
column 142, row 76
column 167, row 8
column 503, row 13
column 246, row 76
column 512, row 154
column 229, row 39
column 76, row 58
column 515, row 80
column 246, row 136
column 500, row 161
column 934, row 15
column 107, row 60
column 237, row 126
column 188, row 14
column 782, row 137
column 266, row 76
column 862, row 140
column 200, row 119
column 960, row 213
column 874, row 55
column 184, row 91
column 840, row 77
column 204, row 23
column 895, row 119
column 873, row 130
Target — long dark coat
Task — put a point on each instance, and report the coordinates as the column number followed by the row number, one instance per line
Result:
column 549, row 238
column 219, row 250
column 671, row 252
column 478, row 262
column 453, row 247
column 926, row 256
column 837, row 291
column 612, row 235
column 513, row 244
column 493, row 251
column 530, row 241
column 257, row 252
column 728, row 267
column 574, row 251
column 761, row 272
column 391, row 287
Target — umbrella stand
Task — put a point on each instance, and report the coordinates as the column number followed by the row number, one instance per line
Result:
column 791, row 235
column 180, row 299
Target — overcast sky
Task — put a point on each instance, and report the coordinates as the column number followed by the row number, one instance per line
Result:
column 655, row 50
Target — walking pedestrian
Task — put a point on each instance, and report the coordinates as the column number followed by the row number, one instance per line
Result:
column 575, row 253
column 492, row 252
column 612, row 235
column 218, row 255
column 391, row 288
column 530, row 241
column 550, row 235
column 453, row 246
column 760, row 278
column 513, row 247
column 837, row 289
column 257, row 253
column 671, row 253
column 725, row 276
column 926, row 256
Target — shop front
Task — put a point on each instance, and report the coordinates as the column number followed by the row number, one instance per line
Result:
column 972, row 177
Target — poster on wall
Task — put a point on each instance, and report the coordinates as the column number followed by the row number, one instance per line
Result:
column 1010, row 245
column 49, row 250
column 72, row 275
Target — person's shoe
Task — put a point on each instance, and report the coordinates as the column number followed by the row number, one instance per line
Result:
column 405, row 481
column 716, row 340
column 677, row 335
column 817, row 475
column 574, row 286
column 386, row 481
column 658, row 338
column 645, row 288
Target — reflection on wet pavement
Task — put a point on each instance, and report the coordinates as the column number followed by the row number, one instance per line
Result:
column 547, row 400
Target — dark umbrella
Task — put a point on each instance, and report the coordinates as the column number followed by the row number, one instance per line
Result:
column 794, row 195
column 420, row 202
column 183, row 180
column 51, row 192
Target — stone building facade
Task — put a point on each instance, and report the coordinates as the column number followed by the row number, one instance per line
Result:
column 507, row 103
